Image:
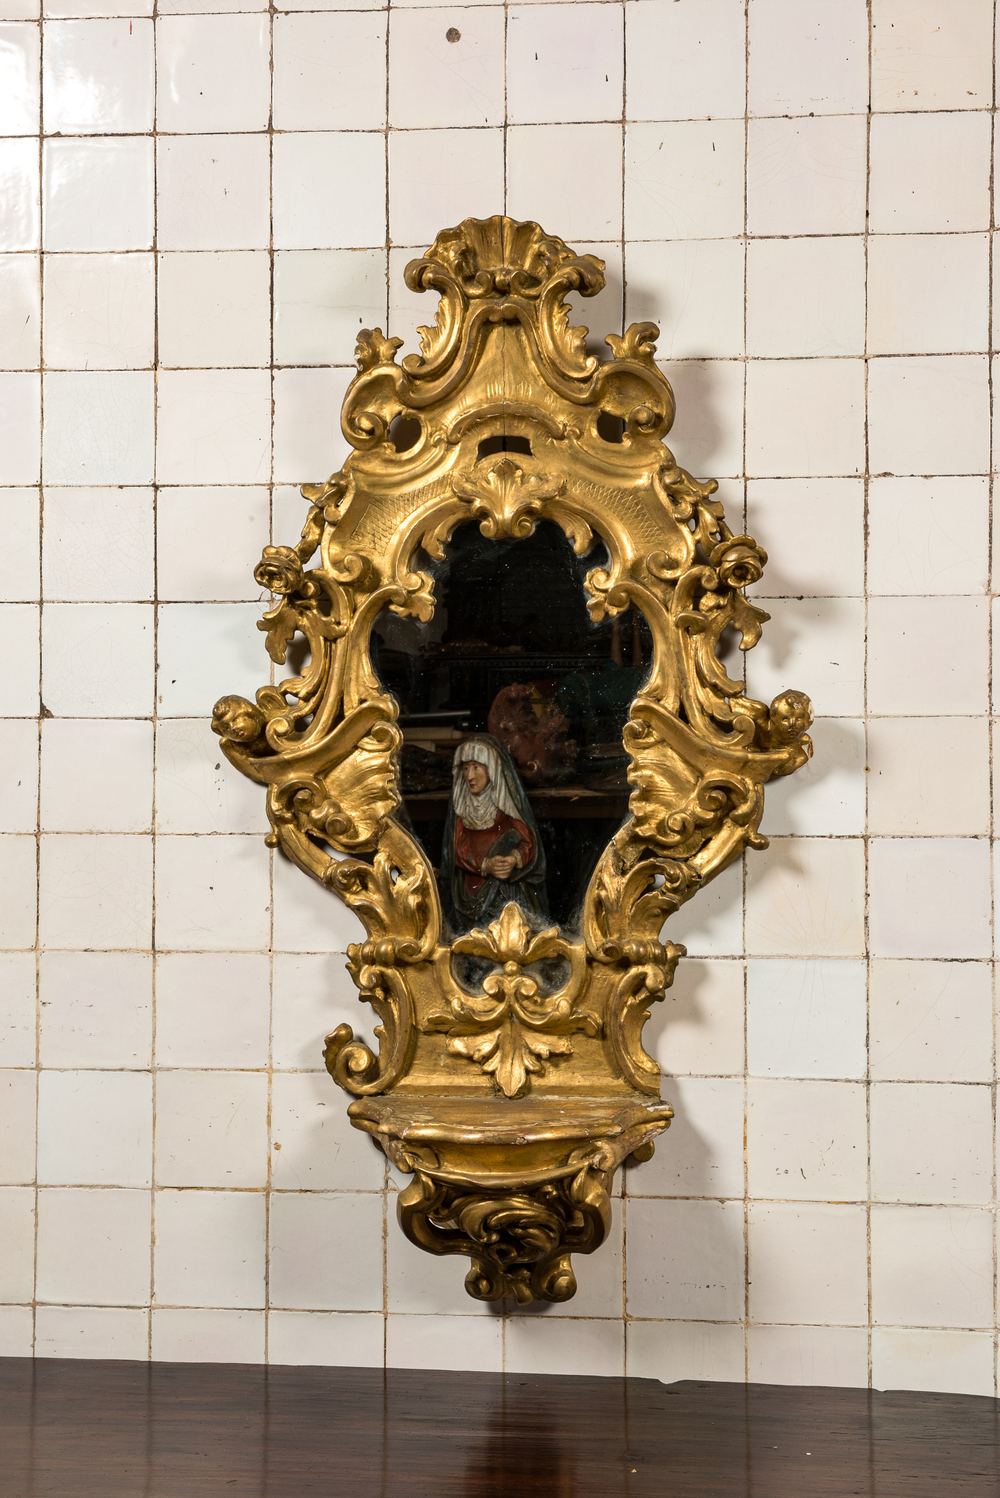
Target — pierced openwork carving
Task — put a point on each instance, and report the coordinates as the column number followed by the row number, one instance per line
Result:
column 510, row 1077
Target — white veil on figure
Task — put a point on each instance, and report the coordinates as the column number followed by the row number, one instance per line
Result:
column 479, row 811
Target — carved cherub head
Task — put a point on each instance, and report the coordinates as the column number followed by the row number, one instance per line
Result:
column 237, row 719
column 791, row 716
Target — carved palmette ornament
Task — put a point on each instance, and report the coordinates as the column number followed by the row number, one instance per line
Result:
column 511, row 1107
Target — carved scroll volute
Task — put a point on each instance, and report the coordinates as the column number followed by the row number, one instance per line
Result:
column 511, row 1097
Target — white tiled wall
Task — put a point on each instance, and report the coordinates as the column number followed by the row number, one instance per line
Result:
column 800, row 194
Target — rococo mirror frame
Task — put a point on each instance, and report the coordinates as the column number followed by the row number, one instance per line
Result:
column 511, row 1105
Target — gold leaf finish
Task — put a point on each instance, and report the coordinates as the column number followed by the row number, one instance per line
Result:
column 511, row 1100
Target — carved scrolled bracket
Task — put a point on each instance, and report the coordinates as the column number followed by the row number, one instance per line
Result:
column 507, row 1073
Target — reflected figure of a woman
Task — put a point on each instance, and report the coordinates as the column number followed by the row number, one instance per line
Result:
column 492, row 853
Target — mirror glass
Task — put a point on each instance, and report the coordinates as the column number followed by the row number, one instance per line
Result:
column 512, row 703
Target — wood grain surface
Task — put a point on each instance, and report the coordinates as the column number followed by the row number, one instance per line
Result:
column 77, row 1429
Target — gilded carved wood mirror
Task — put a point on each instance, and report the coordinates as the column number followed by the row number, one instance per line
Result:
column 514, row 749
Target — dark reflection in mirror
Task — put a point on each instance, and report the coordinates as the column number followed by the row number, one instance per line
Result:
column 512, row 704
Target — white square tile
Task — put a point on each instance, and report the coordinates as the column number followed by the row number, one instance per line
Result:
column 929, row 897
column 212, row 1009
column 805, row 898
column 928, row 293
column 931, row 1021
column 209, row 1249
column 806, row 1140
column 929, row 173
column 912, row 761
column 702, row 1276
column 711, row 38
column 329, row 70
column 19, row 194
column 232, row 526
column 691, row 288
column 351, row 210
column 98, row 194
column 423, row 200
column 98, row 428
column 20, row 312
column 684, row 180
column 19, row 792
column 97, row 77
column 314, row 1145
column 313, row 1236
column 805, row 1019
column 19, row 50
column 708, row 433
column 189, row 1336
column 197, row 790
column 213, row 192
column 568, row 175
column 808, row 1262
column 99, row 311
column 828, row 1356
column 806, row 58
column 805, row 417
column 214, row 309
column 446, row 68
column 17, row 1332
column 82, row 8
column 926, row 55
column 331, row 1340
column 95, row 891
column 912, row 547
column 17, row 1009
column 927, row 651
column 813, row 531
column 699, row 1027
column 19, row 519
column 312, row 995
column 19, row 622
column 453, row 1342
column 207, row 650
column 98, row 659
column 684, row 1349
column 212, row 894
column 20, row 428
column 805, row 296
column 322, row 298
column 701, row 1153
column 200, row 7
column 213, row 426
column 98, row 545
column 806, row 176
column 95, row 1128
column 945, row 1362
column 931, row 1142
column 17, row 1116
column 93, row 1247
column 96, row 1009
column 211, row 1128
column 18, row 857
column 213, row 73
column 561, row 65
column 712, row 925
column 91, row 1332
column 308, row 442
column 929, row 415
column 932, row 1266
column 535, row 1344
column 17, row 1243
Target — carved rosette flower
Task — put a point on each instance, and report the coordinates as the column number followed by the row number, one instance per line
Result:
column 280, row 570
column 739, row 561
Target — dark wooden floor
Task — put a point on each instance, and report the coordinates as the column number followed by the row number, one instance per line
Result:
column 73, row 1429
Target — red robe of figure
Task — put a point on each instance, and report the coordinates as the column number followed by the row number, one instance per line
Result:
column 472, row 847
